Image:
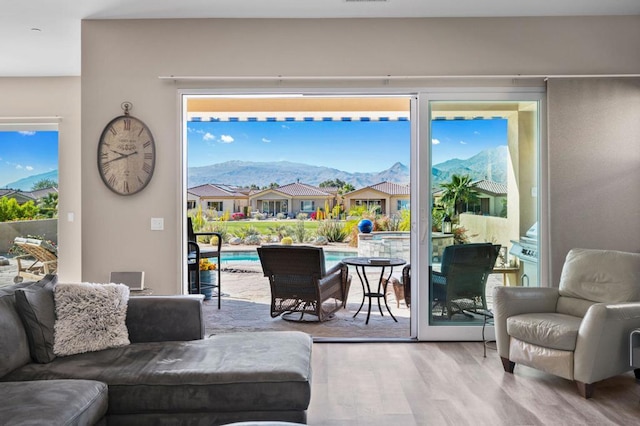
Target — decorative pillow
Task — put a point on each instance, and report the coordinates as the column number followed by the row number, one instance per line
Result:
column 90, row 317
column 36, row 308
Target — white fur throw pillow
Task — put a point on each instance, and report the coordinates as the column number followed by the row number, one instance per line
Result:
column 90, row 317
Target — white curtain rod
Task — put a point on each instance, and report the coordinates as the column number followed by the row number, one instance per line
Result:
column 383, row 77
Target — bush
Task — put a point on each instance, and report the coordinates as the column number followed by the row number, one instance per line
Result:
column 299, row 232
column 246, row 231
column 237, row 216
column 333, row 231
column 287, row 241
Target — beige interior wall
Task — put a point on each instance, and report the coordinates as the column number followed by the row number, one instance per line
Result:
column 121, row 61
column 594, row 166
column 55, row 97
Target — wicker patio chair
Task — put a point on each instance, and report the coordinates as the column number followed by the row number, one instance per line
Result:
column 300, row 283
column 41, row 259
column 460, row 285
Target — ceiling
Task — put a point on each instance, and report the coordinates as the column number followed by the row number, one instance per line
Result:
column 42, row 37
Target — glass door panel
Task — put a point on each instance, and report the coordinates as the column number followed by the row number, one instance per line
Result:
column 483, row 163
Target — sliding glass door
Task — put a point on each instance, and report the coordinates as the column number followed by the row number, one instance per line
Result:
column 479, row 178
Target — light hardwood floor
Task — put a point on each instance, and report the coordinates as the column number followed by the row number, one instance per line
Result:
column 452, row 384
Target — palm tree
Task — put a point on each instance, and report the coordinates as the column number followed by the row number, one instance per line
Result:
column 458, row 191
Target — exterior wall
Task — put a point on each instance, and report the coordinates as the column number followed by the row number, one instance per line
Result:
column 486, row 229
column 355, row 47
column 47, row 228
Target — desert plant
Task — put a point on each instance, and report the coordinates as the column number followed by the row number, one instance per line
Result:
column 287, row 241
column 332, row 230
column 280, row 231
column 299, row 232
column 246, row 231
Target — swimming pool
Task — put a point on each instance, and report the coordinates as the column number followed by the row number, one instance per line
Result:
column 330, row 257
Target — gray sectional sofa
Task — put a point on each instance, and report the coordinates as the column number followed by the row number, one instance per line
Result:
column 169, row 374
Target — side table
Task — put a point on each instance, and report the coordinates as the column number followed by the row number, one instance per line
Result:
column 360, row 263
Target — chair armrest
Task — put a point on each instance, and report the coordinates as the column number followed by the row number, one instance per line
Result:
column 602, row 347
column 510, row 301
column 165, row 318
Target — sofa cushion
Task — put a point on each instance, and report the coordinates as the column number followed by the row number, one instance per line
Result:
column 53, row 402
column 548, row 330
column 36, row 307
column 14, row 345
column 601, row 276
column 261, row 371
column 90, row 317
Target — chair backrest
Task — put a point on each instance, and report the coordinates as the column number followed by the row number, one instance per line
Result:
column 191, row 236
column 598, row 276
column 292, row 260
column 467, row 267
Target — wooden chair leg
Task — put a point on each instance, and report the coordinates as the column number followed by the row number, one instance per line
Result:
column 507, row 365
column 585, row 389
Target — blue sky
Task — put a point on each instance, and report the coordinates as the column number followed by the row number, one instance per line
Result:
column 353, row 146
column 24, row 154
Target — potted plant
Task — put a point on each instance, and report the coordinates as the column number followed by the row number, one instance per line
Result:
column 207, row 277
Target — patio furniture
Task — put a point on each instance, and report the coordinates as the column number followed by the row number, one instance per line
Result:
column 460, row 285
column 579, row 330
column 204, row 251
column 301, row 284
column 379, row 292
column 406, row 284
column 41, row 259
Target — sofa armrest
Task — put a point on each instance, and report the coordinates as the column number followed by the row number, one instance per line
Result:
column 510, row 301
column 165, row 318
column 602, row 347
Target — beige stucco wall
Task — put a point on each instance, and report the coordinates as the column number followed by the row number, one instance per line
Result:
column 30, row 98
column 121, row 61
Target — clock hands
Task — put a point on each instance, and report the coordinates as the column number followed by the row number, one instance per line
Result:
column 121, row 156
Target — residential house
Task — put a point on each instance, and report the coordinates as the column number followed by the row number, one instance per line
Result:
column 24, row 196
column 587, row 138
column 292, row 199
column 387, row 197
column 491, row 201
column 218, row 199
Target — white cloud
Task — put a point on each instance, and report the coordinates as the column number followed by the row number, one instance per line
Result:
column 284, row 126
column 226, row 139
column 208, row 137
column 18, row 166
column 265, row 140
column 29, row 168
column 476, row 132
column 27, row 133
column 435, row 141
column 463, row 142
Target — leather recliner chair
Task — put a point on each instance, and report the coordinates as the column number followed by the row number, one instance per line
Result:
column 579, row 331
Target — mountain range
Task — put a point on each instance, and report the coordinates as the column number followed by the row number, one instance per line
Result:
column 26, row 184
column 490, row 164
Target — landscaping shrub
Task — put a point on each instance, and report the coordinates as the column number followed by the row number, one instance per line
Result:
column 332, row 230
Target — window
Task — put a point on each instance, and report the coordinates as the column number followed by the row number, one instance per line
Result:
column 214, row 205
column 307, row 205
column 403, row 204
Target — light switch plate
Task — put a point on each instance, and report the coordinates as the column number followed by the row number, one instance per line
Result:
column 157, row 224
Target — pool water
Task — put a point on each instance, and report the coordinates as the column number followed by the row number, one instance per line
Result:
column 330, row 257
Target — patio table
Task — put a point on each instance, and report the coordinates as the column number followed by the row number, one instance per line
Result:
column 360, row 263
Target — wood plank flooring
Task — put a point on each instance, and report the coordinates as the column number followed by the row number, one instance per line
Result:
column 452, row 384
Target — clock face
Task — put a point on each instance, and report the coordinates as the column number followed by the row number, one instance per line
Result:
column 126, row 155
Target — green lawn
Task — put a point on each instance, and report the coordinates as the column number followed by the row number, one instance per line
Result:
column 264, row 226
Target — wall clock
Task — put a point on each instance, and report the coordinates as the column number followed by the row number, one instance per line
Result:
column 126, row 154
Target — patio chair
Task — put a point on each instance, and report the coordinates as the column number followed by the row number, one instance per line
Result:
column 41, row 259
column 460, row 285
column 300, row 284
column 206, row 251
